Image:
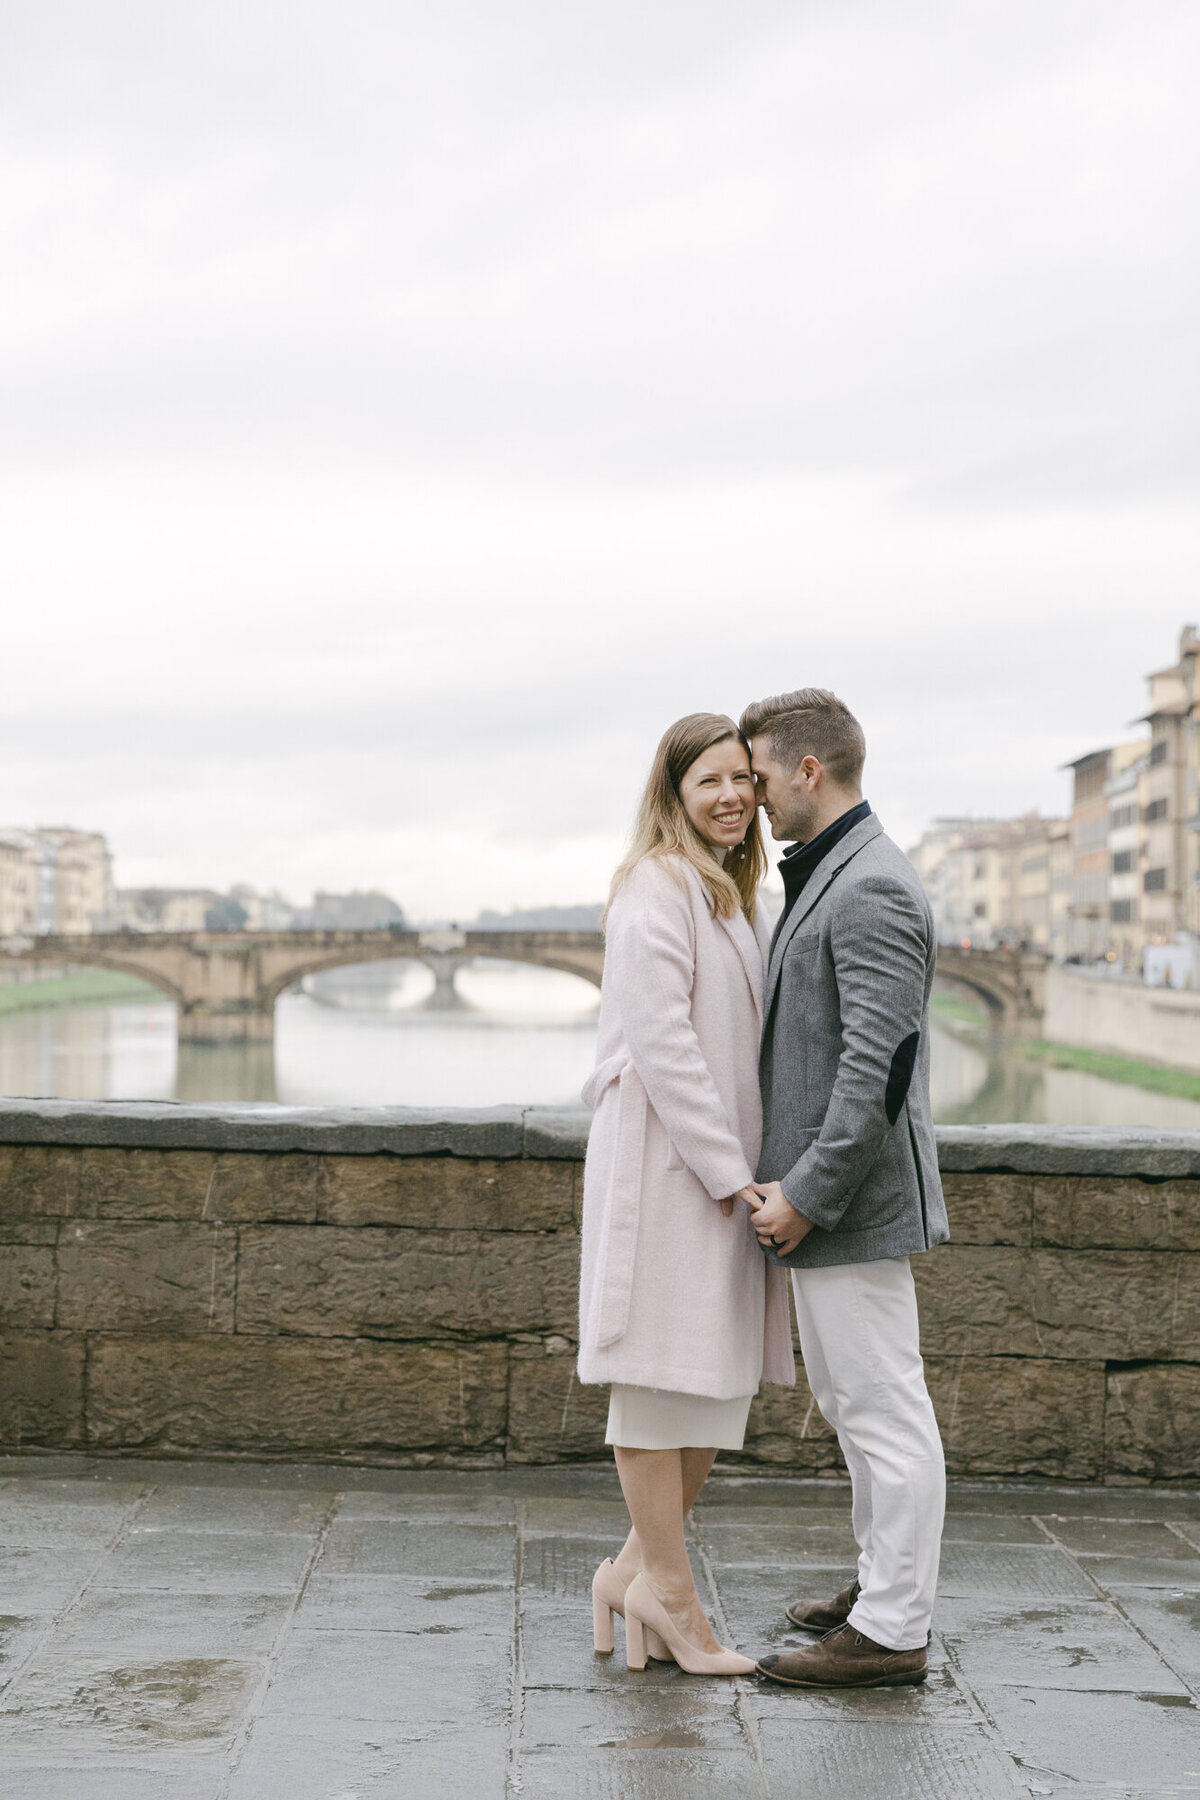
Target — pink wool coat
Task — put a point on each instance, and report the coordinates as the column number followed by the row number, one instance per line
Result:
column 673, row 1294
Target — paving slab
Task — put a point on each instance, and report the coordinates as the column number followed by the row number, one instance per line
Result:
column 89, row 1705
column 1134, row 1739
column 206, row 1562
column 695, row 1713
column 453, row 1550
column 19, row 1637
column 557, row 1652
column 326, row 1758
column 253, row 1510
column 165, row 1625
column 993, row 1528
column 1011, row 1572
column 555, row 1567
column 796, row 1546
column 1171, row 1622
column 647, row 1771
column 844, row 1760
column 495, row 1509
column 406, row 1603
column 184, row 1777
column 57, row 1512
column 1079, row 1644
column 421, row 1680
column 42, row 1578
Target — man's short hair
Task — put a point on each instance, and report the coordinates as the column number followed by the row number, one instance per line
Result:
column 810, row 722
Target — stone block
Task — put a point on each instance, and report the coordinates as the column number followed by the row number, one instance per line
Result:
column 1081, row 1212
column 1108, row 1304
column 27, row 1278
column 149, row 1277
column 1004, row 1415
column 785, row 1429
column 333, row 1282
column 38, row 1181
column 557, row 1131
column 990, row 1209
column 144, row 1184
column 41, row 1389
column 1155, row 1154
column 449, row 1193
column 283, row 1396
column 261, row 1189
column 1152, row 1422
column 335, row 1130
column 551, row 1416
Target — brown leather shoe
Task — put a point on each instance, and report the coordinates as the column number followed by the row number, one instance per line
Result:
column 846, row 1659
column 823, row 1615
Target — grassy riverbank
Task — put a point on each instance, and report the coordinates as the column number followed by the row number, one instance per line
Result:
column 89, row 987
column 1181, row 1083
column 957, row 1009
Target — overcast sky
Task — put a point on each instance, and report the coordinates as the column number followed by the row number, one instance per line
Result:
column 408, row 410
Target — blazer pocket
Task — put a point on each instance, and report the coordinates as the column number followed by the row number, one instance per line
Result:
column 803, row 945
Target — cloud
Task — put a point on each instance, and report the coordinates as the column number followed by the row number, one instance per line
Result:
column 404, row 416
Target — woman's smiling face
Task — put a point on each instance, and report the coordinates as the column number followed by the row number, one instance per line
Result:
column 718, row 794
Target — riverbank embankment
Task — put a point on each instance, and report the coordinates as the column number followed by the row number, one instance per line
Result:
column 1122, row 1018
column 399, row 1286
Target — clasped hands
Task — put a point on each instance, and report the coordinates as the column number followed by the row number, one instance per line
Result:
column 777, row 1224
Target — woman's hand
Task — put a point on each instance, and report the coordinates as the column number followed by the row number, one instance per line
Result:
column 749, row 1195
column 776, row 1221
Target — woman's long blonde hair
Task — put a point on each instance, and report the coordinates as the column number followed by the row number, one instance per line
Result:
column 663, row 828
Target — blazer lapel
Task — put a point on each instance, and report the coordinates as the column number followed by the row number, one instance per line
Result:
column 821, row 879
column 750, row 951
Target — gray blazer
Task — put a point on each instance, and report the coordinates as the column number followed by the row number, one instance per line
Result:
column 847, row 1127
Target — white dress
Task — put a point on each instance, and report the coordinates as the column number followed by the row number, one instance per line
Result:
column 642, row 1418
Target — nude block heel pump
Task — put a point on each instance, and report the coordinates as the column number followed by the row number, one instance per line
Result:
column 602, row 1623
column 645, row 1611
column 608, row 1599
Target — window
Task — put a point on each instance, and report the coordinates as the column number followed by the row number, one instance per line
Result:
column 1032, row 864
column 1158, row 752
column 980, row 909
column 980, row 871
column 1120, row 816
column 1155, row 881
column 1157, row 809
column 1122, row 912
column 1122, row 862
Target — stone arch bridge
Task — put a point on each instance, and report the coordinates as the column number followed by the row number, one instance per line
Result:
column 1011, row 983
column 225, row 984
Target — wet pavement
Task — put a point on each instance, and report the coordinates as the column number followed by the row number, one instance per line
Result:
column 192, row 1631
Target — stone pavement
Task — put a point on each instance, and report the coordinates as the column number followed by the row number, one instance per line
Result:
column 192, row 1631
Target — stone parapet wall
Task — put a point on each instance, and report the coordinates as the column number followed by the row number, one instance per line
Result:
column 399, row 1286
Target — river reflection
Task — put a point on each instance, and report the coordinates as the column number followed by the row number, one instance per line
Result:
column 524, row 1035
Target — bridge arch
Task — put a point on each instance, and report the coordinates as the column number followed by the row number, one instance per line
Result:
column 119, row 964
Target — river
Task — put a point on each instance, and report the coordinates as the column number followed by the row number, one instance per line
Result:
column 367, row 1037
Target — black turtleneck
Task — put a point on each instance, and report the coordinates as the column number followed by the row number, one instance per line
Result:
column 797, row 864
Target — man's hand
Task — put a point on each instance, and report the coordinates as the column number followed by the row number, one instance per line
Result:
column 748, row 1194
column 777, row 1224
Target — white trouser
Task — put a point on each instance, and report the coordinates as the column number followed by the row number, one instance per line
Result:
column 860, row 1340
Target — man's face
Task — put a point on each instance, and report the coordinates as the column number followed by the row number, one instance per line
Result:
column 788, row 797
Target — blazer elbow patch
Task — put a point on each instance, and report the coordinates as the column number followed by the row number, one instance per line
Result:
column 900, row 1076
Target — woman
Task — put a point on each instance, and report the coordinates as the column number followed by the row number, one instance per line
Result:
column 678, row 1309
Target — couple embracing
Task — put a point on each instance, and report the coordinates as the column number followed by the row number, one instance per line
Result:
column 762, row 1105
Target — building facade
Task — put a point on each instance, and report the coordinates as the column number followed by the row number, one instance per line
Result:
column 55, row 879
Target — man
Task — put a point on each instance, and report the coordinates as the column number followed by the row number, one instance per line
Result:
column 848, row 1176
